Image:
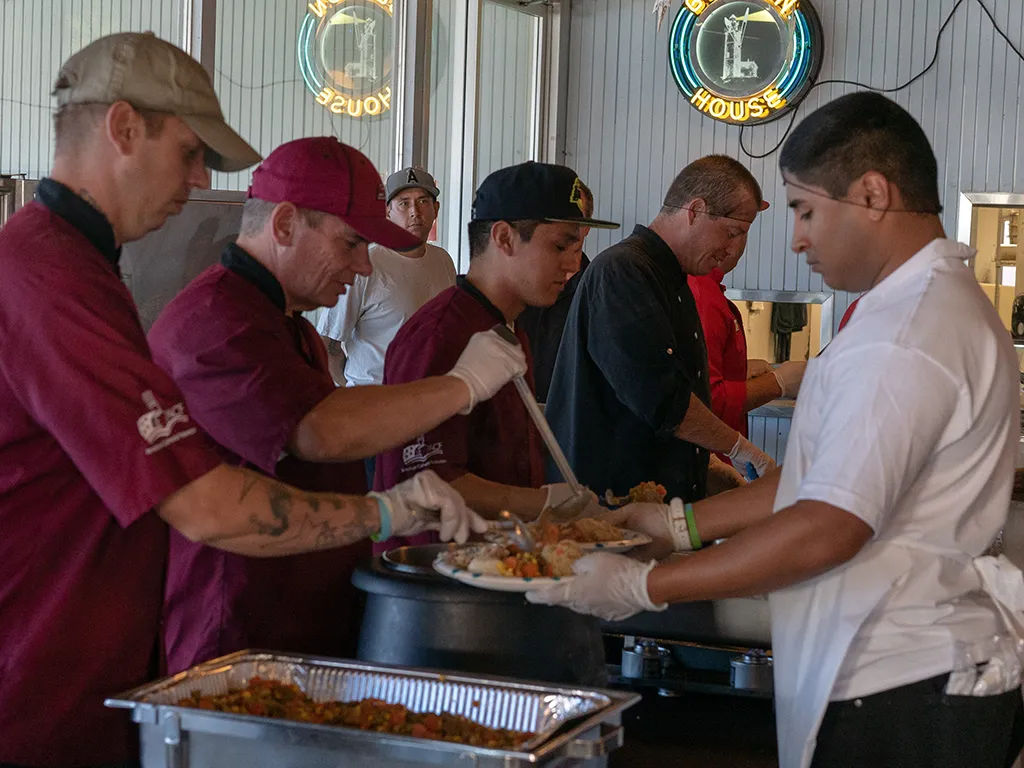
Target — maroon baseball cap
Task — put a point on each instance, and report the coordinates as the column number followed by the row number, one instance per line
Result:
column 322, row 174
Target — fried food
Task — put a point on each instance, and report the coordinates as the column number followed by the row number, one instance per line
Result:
column 269, row 698
column 552, row 559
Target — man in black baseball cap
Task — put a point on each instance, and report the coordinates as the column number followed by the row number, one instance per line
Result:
column 523, row 240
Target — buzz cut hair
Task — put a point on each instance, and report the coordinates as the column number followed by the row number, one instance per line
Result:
column 838, row 143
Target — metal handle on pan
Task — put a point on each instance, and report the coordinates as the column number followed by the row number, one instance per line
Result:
column 612, row 737
column 172, row 742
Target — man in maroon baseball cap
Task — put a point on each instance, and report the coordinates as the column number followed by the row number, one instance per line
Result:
column 254, row 375
column 322, row 174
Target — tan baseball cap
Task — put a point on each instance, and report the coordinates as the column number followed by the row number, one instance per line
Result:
column 150, row 73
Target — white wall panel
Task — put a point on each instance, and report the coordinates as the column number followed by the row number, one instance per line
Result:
column 35, row 38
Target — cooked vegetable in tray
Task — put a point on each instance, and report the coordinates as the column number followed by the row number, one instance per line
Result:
column 269, row 698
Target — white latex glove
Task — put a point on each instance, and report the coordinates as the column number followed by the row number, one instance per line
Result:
column 486, row 365
column 426, row 503
column 560, row 495
column 745, row 457
column 643, row 517
column 789, row 375
column 757, row 368
column 611, row 587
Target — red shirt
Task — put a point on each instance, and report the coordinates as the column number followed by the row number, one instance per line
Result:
column 848, row 314
column 93, row 435
column 250, row 373
column 497, row 441
column 727, row 348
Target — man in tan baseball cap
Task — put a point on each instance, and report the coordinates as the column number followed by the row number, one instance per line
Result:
column 137, row 126
column 151, row 74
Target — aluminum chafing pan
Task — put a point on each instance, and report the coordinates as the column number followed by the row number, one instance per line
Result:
column 569, row 723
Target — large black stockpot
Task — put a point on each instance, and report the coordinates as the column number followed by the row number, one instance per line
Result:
column 416, row 617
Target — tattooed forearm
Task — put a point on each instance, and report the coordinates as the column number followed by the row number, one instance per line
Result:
column 283, row 520
column 280, row 501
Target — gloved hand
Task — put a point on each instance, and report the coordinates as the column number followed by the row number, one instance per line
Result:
column 789, row 375
column 722, row 477
column 750, row 460
column 560, row 495
column 426, row 503
column 611, row 587
column 757, row 368
column 486, row 365
column 643, row 517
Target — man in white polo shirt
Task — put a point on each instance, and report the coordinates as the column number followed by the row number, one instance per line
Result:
column 370, row 313
column 894, row 638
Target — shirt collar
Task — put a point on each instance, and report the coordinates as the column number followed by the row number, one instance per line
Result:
column 239, row 261
column 463, row 282
column 659, row 250
column 940, row 249
column 81, row 215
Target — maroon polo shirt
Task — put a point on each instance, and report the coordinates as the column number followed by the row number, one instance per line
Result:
column 93, row 435
column 497, row 441
column 250, row 373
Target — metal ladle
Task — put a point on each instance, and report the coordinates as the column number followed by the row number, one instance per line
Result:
column 537, row 415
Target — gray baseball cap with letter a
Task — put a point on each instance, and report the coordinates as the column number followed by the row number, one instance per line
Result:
column 150, row 73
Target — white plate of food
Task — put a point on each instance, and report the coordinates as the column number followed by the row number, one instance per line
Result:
column 591, row 534
column 506, row 569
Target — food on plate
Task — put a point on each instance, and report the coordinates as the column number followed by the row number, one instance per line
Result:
column 645, row 492
column 270, row 698
column 553, row 559
column 586, row 530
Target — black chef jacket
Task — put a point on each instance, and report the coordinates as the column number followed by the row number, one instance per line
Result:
column 544, row 327
column 631, row 355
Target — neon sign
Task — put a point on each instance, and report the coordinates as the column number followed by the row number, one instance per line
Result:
column 345, row 55
column 745, row 61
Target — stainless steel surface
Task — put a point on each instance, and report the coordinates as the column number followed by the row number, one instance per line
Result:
column 562, row 718
column 159, row 265
column 14, row 194
column 540, row 422
column 753, row 671
column 418, row 560
column 644, row 660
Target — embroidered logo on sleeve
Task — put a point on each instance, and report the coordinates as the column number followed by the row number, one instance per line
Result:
column 418, row 455
column 157, row 424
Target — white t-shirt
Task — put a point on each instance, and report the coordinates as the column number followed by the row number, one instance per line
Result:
column 367, row 317
column 909, row 420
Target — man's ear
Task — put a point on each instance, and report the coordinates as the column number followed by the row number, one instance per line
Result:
column 876, row 192
column 124, row 127
column 284, row 222
column 504, row 237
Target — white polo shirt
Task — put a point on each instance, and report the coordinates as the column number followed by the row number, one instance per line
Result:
column 370, row 313
column 910, row 420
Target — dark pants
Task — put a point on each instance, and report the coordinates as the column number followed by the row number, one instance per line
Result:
column 371, row 465
column 919, row 726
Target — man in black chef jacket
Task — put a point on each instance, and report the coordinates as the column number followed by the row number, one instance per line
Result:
column 629, row 397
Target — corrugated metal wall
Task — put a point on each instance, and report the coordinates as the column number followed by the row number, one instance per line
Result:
column 262, row 92
column 630, row 129
column 35, row 38
column 506, row 112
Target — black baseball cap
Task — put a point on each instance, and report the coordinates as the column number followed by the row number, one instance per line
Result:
column 534, row 191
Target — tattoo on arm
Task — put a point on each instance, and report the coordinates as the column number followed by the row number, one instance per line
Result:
column 334, row 347
column 309, row 521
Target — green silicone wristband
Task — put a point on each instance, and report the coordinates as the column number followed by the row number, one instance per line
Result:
column 385, row 518
column 691, row 527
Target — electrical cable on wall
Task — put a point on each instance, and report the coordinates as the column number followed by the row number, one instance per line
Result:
column 911, row 81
